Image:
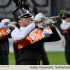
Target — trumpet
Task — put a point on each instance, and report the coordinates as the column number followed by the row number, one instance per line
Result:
column 45, row 22
column 10, row 25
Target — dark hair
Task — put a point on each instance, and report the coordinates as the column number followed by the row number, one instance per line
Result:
column 67, row 13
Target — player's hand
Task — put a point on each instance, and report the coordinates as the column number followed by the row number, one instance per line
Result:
column 39, row 17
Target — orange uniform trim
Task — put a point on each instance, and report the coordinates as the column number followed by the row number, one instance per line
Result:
column 25, row 42
column 64, row 31
column 38, row 35
column 3, row 32
column 16, row 41
column 28, row 40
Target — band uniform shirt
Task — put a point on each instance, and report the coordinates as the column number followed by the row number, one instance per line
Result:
column 29, row 41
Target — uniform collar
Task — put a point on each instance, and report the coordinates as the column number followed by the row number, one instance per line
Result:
column 22, row 28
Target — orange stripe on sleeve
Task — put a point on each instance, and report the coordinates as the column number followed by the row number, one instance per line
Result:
column 64, row 31
column 3, row 32
column 16, row 41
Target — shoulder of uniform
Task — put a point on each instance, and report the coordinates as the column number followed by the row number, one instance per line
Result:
column 15, row 30
column 2, row 25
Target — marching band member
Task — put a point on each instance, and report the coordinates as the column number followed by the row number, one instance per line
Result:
column 4, row 44
column 65, row 27
column 55, row 36
column 28, row 37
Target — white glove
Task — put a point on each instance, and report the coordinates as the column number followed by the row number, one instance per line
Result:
column 65, row 25
column 11, row 25
column 39, row 17
column 47, row 31
column 5, row 21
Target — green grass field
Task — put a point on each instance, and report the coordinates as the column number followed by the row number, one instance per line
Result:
column 55, row 58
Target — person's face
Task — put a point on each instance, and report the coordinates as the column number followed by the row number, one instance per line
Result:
column 23, row 22
column 67, row 19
